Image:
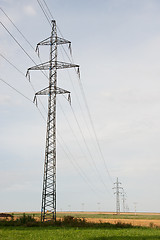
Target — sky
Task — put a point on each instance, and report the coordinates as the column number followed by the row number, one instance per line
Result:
column 116, row 43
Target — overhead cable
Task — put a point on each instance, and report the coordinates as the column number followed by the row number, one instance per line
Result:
column 17, row 28
column 92, row 127
column 89, row 152
column 75, row 164
column 21, row 47
column 45, row 13
column 15, row 90
column 22, row 75
column 21, row 95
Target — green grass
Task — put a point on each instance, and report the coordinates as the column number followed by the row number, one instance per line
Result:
column 68, row 233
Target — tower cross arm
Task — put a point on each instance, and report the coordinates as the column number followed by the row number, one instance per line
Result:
column 58, row 65
column 46, row 91
column 56, row 40
column 61, row 65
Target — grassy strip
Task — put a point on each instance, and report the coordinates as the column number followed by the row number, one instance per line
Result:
column 59, row 233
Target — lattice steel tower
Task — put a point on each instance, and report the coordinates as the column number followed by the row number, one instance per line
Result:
column 117, row 192
column 48, row 210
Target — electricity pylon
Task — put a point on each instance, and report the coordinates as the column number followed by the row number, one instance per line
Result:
column 48, row 210
column 117, row 192
column 124, row 200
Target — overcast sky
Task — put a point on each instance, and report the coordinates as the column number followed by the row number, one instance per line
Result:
column 117, row 45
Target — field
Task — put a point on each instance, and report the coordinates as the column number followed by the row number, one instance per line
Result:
column 57, row 233
column 96, row 231
column 140, row 219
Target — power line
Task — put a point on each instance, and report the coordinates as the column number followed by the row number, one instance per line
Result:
column 49, row 18
column 48, row 9
column 16, row 90
column 24, row 51
column 89, row 118
column 20, row 32
column 96, row 138
column 17, row 28
column 86, row 104
column 21, row 47
column 91, row 121
column 92, row 125
column 80, row 127
column 75, row 164
column 89, row 114
column 17, row 42
column 77, row 98
column 12, row 64
column 76, row 137
column 83, row 175
column 22, row 75
column 70, row 126
column 81, row 172
column 45, row 13
column 89, row 152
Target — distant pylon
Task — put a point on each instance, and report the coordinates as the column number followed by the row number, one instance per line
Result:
column 117, row 192
column 48, row 210
column 124, row 200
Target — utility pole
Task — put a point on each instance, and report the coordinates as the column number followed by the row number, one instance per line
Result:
column 117, row 192
column 48, row 210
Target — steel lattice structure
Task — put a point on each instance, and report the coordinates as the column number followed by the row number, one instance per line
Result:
column 48, row 211
column 117, row 192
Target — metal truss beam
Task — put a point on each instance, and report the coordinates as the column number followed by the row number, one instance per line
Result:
column 58, row 65
column 58, row 40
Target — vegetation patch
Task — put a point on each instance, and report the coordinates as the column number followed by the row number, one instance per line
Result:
column 66, row 221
